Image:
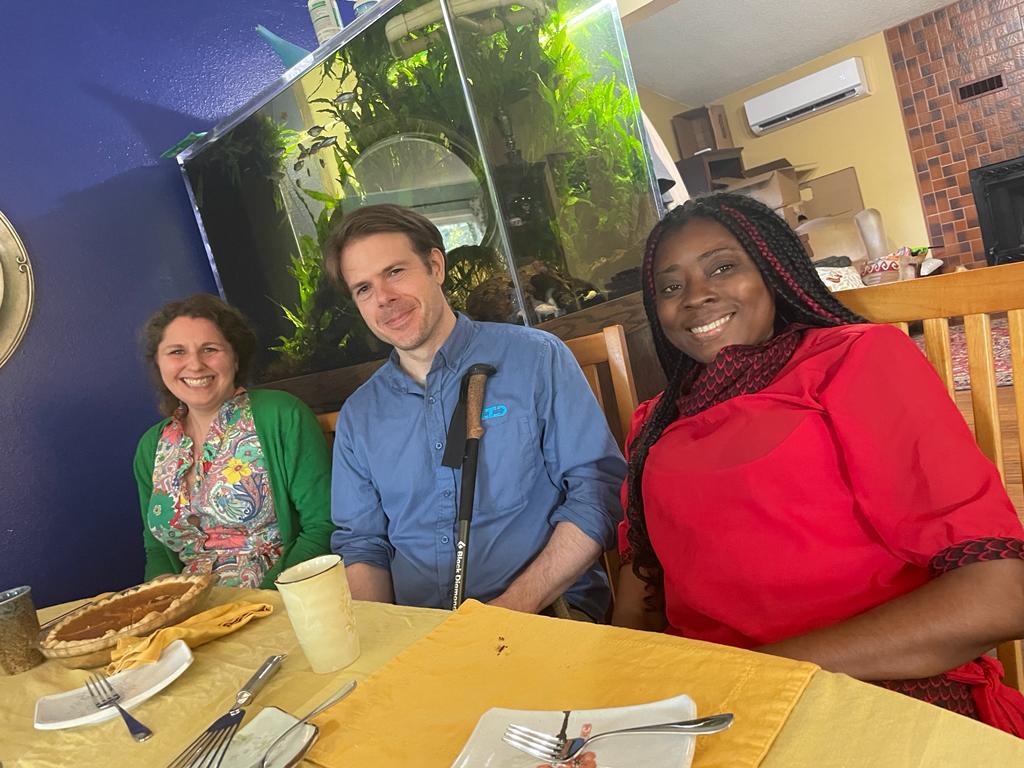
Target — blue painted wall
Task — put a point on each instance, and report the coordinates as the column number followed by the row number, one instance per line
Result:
column 90, row 101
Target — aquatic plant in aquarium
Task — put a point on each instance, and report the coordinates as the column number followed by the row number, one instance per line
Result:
column 517, row 133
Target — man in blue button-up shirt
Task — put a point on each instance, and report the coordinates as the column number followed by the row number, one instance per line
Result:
column 549, row 472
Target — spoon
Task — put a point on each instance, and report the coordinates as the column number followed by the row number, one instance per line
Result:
column 344, row 691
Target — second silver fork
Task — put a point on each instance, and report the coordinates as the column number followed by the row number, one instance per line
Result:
column 104, row 695
column 558, row 751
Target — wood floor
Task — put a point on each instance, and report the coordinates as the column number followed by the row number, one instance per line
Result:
column 1011, row 440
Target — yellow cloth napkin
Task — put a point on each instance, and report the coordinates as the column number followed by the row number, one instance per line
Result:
column 421, row 707
column 201, row 628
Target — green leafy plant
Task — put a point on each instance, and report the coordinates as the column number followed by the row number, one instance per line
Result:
column 257, row 147
column 538, row 99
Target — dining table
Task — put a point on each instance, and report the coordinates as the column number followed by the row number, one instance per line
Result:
column 425, row 677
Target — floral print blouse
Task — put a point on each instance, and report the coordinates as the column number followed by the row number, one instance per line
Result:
column 223, row 521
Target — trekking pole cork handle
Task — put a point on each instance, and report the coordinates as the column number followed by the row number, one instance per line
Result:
column 478, row 375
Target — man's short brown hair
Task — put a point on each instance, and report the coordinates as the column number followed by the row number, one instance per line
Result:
column 376, row 219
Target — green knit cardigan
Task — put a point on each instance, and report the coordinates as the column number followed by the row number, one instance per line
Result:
column 300, row 481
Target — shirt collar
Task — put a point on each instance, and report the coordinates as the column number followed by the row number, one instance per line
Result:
column 448, row 356
column 181, row 412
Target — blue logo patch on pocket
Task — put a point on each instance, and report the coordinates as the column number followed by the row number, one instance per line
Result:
column 493, row 412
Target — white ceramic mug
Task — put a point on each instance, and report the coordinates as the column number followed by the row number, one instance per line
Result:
column 319, row 604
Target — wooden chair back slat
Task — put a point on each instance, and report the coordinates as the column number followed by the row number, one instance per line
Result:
column 936, row 347
column 1015, row 322
column 593, row 377
column 608, row 348
column 327, row 425
column 973, row 295
column 981, row 367
column 905, row 327
column 1010, row 655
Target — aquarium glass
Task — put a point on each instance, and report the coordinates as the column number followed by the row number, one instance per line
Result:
column 518, row 136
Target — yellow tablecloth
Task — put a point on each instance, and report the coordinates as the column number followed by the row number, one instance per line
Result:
column 206, row 689
column 482, row 657
column 836, row 723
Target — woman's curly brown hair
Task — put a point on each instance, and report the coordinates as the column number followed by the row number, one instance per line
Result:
column 231, row 323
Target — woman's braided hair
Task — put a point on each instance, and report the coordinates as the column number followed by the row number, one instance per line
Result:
column 800, row 297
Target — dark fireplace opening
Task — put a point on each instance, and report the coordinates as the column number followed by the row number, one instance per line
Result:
column 999, row 196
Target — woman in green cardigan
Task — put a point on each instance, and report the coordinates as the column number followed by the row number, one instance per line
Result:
column 233, row 482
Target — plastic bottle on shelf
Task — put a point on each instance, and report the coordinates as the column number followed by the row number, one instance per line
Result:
column 326, row 19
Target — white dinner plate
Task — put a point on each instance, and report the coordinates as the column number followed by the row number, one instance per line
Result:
column 72, row 708
column 485, row 748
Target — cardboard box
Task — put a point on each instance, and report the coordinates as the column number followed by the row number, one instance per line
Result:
column 775, row 188
column 791, row 213
column 834, row 194
column 835, row 236
column 701, row 129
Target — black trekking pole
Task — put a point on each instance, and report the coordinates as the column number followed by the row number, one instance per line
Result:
column 471, row 404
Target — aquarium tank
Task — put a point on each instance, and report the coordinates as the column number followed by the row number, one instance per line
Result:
column 514, row 126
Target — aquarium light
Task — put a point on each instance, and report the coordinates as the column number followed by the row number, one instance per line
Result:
column 591, row 12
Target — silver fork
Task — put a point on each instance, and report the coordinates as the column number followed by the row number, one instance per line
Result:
column 558, row 750
column 103, row 696
column 209, row 748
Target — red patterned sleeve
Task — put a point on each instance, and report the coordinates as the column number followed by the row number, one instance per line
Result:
column 919, row 480
column 976, row 551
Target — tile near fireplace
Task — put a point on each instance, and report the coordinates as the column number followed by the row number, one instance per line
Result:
column 942, row 62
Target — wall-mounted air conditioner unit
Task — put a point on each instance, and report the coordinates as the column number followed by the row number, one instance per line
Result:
column 809, row 95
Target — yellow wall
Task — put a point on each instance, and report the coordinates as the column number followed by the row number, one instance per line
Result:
column 660, row 110
column 867, row 133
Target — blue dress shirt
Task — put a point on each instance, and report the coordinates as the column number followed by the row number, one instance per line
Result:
column 546, row 457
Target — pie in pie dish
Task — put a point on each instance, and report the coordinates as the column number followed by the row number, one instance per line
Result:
column 85, row 637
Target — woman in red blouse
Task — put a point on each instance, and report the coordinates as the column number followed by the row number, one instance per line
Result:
column 805, row 486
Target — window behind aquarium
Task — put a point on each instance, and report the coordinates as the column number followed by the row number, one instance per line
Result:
column 543, row 169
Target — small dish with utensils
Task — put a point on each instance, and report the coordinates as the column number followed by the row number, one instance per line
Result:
column 76, row 707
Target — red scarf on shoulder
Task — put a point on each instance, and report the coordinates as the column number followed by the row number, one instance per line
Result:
column 739, row 370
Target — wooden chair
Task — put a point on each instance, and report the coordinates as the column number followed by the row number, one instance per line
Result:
column 327, row 425
column 607, row 350
column 973, row 295
column 605, row 354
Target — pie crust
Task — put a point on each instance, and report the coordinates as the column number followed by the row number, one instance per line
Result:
column 133, row 612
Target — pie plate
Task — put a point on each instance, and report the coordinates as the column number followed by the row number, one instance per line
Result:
column 485, row 749
column 85, row 637
column 66, row 710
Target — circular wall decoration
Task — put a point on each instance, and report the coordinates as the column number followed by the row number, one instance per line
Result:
column 17, row 289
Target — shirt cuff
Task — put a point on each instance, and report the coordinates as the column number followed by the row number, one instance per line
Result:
column 595, row 523
column 370, row 551
column 975, row 551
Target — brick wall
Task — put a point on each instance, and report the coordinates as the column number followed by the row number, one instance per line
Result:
column 932, row 56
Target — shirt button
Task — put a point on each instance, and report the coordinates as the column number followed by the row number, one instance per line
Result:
column 444, row 539
column 438, row 446
column 446, row 495
column 431, row 399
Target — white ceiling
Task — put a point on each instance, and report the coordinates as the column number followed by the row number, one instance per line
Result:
column 696, row 51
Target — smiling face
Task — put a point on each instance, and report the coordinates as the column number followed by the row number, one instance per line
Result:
column 196, row 363
column 709, row 293
column 398, row 295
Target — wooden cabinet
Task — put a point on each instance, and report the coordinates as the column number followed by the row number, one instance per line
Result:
column 700, row 171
